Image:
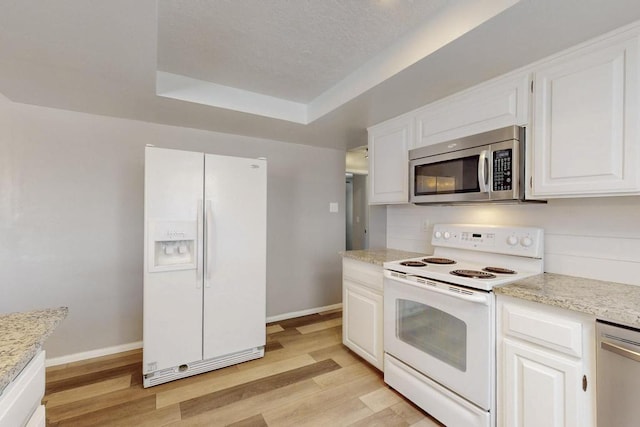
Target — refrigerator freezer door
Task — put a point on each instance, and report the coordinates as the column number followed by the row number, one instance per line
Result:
column 235, row 254
column 172, row 293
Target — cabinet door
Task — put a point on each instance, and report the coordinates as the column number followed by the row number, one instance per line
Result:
column 389, row 161
column 541, row 388
column 585, row 137
column 491, row 105
column 172, row 320
column 362, row 322
column 235, row 255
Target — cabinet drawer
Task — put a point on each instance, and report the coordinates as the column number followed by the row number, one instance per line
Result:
column 366, row 274
column 545, row 329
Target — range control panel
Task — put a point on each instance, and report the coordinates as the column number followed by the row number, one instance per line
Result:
column 521, row 241
column 502, row 170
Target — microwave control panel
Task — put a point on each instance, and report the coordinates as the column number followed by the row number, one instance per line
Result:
column 503, row 170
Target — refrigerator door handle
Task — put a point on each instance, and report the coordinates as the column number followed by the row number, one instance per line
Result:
column 208, row 227
column 199, row 247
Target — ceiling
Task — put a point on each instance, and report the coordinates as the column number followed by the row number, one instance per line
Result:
column 315, row 72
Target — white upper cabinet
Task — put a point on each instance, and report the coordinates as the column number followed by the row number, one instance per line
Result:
column 585, row 121
column 388, row 161
column 497, row 103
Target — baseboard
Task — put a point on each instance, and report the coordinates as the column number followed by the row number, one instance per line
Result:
column 54, row 361
column 75, row 357
column 293, row 314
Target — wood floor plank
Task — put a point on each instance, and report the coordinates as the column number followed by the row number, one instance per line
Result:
column 272, row 346
column 209, row 402
column 92, row 404
column 314, row 327
column 157, row 418
column 180, row 394
column 255, row 421
column 296, row 412
column 381, row 399
column 134, row 369
column 314, row 341
column 337, row 312
column 410, row 413
column 90, row 390
column 301, row 321
column 349, row 373
column 111, row 414
column 341, row 414
column 384, row 418
column 277, row 336
column 339, row 353
column 274, row 328
column 253, row 406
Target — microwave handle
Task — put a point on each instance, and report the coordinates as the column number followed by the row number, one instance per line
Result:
column 483, row 169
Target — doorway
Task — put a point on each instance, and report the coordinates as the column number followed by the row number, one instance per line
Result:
column 356, row 211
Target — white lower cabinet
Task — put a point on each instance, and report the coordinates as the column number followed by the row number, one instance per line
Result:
column 20, row 401
column 546, row 366
column 362, row 322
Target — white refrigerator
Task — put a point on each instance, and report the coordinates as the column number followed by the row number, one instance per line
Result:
column 204, row 262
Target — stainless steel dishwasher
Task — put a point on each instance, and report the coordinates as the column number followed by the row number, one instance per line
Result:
column 618, row 375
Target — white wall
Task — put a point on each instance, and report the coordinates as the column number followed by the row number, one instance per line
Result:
column 593, row 237
column 71, row 219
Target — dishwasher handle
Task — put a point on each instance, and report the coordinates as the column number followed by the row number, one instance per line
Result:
column 621, row 351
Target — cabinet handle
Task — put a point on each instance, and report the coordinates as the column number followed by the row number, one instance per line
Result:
column 584, row 383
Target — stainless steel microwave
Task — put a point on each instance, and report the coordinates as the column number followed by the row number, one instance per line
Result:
column 480, row 168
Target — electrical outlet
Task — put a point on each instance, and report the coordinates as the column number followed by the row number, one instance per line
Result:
column 425, row 225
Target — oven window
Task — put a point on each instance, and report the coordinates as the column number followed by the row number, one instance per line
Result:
column 433, row 331
column 450, row 176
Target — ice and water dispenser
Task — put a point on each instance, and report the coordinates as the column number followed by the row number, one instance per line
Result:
column 172, row 245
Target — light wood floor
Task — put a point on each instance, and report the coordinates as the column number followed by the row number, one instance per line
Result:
column 307, row 378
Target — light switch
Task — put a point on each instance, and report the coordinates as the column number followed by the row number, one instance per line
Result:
column 333, row 207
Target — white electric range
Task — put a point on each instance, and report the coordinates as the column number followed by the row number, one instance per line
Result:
column 439, row 333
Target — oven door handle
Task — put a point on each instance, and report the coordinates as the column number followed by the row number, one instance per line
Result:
column 475, row 297
column 483, row 169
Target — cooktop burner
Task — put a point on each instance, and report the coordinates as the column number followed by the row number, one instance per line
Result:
column 434, row 260
column 413, row 263
column 475, row 274
column 498, row 270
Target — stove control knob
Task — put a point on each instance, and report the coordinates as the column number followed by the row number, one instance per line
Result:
column 526, row 242
column 447, row 235
column 512, row 240
column 437, row 234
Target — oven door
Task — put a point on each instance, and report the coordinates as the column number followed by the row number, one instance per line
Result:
column 444, row 332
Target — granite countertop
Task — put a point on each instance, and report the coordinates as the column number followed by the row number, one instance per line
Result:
column 615, row 302
column 22, row 337
column 379, row 256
